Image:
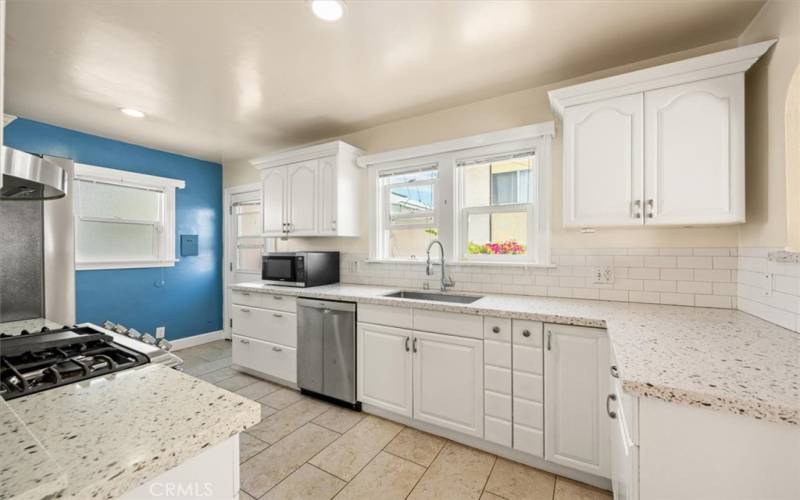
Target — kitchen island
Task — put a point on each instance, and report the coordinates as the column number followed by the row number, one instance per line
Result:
column 112, row 434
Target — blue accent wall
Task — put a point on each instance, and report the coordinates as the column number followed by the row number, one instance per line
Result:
column 187, row 298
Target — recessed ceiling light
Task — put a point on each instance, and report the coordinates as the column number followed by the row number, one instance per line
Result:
column 329, row 10
column 132, row 112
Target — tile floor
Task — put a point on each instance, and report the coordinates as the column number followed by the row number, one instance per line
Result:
column 304, row 448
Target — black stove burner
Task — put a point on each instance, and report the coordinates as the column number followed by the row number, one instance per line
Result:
column 34, row 362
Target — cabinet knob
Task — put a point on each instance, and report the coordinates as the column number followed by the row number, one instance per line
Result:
column 407, row 348
column 614, row 371
column 277, row 349
column 243, row 341
column 244, row 310
column 526, row 333
column 609, row 399
column 277, row 297
column 496, row 329
column 650, row 208
column 277, row 315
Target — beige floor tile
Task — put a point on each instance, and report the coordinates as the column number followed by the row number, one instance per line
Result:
column 514, row 481
column 282, row 423
column 281, row 398
column 567, row 489
column 218, row 374
column 386, row 477
column 306, row 483
column 236, row 382
column 459, row 472
column 258, row 389
column 250, row 446
column 350, row 453
column 490, row 496
column 272, row 465
column 267, row 411
column 244, row 496
column 417, row 446
column 339, row 419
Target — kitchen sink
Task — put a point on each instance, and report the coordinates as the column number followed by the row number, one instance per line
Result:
column 436, row 297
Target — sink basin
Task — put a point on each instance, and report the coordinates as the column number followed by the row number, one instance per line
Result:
column 436, row 297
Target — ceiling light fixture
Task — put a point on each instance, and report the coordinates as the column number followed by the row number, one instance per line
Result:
column 135, row 113
column 328, row 10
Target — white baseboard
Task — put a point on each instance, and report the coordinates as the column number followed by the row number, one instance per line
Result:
column 194, row 340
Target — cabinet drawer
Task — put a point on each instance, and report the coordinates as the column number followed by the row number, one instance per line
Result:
column 497, row 405
column 497, row 353
column 527, row 333
column 265, row 357
column 497, row 431
column 528, row 386
column 497, row 379
column 528, row 440
column 528, row 359
column 497, row 328
column 273, row 326
column 246, row 298
column 528, row 413
column 397, row 317
column 278, row 302
column 463, row 325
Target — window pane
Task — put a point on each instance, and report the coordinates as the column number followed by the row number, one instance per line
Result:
column 411, row 199
column 118, row 202
column 249, row 258
column 425, row 175
column 248, row 219
column 409, row 243
column 497, row 233
column 109, row 241
column 498, row 183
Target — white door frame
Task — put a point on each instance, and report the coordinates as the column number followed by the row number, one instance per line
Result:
column 228, row 250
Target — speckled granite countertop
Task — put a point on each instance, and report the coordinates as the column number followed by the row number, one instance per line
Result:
column 32, row 325
column 712, row 358
column 114, row 433
column 21, row 454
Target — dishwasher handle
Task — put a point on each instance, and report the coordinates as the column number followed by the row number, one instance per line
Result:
column 327, row 304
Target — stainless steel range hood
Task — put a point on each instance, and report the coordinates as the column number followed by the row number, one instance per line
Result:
column 31, row 177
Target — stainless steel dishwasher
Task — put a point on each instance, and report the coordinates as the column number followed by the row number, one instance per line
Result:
column 326, row 349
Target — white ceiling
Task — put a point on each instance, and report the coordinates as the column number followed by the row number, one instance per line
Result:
column 228, row 80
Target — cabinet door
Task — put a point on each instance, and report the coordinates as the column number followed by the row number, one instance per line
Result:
column 576, row 386
column 384, row 367
column 694, row 143
column 603, row 162
column 273, row 200
column 448, row 382
column 301, row 188
column 327, row 195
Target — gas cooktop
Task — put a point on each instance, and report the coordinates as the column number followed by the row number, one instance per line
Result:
column 36, row 361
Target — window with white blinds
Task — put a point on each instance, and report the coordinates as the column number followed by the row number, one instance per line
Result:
column 123, row 219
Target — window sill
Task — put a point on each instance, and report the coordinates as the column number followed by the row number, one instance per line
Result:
column 464, row 263
column 94, row 266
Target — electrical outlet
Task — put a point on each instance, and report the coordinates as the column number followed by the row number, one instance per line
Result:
column 161, row 332
column 603, row 275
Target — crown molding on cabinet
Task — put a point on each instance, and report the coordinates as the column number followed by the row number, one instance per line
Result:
column 727, row 62
column 305, row 153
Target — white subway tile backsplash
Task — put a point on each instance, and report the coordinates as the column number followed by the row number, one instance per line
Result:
column 712, row 252
column 713, row 301
column 660, row 286
column 677, row 299
column 677, row 274
column 629, row 261
column 695, row 262
column 661, row 261
column 723, row 275
column 643, row 273
column 695, row 287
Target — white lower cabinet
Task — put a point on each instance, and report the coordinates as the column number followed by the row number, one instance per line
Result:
column 576, row 387
column 271, row 359
column 384, row 367
column 528, row 387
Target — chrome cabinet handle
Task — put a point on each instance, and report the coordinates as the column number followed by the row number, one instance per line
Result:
column 277, row 297
column 414, row 345
column 243, row 341
column 651, row 208
column 277, row 349
column 496, row 329
column 244, row 310
column 407, row 348
column 245, row 293
column 526, row 333
column 549, row 342
column 277, row 315
column 637, row 209
column 614, row 371
column 333, row 225
column 609, row 399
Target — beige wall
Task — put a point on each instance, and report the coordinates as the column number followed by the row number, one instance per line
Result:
column 767, row 91
column 532, row 106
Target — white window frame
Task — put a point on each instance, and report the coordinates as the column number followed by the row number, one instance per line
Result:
column 165, row 251
column 449, row 215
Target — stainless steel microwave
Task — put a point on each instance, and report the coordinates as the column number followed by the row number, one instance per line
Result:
column 300, row 269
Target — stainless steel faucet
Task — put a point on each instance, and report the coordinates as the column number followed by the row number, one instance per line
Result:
column 447, row 282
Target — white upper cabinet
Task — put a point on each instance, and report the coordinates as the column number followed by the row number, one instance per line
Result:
column 694, row 165
column 603, row 162
column 659, row 146
column 312, row 191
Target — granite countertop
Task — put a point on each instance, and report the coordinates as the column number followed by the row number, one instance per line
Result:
column 32, row 325
column 116, row 432
column 711, row 358
column 22, row 454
